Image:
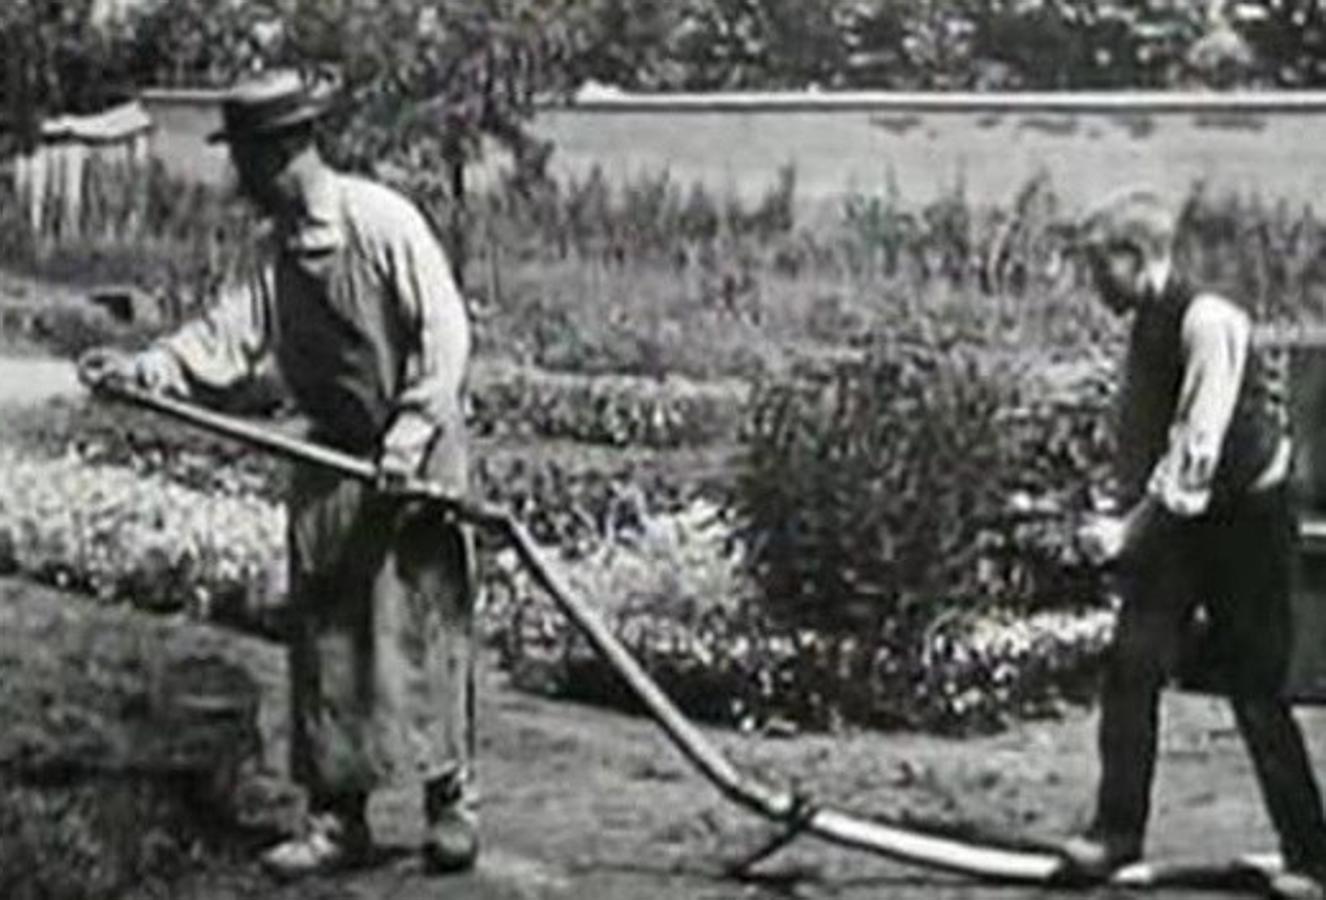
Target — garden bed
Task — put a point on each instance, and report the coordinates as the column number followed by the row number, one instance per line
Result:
column 180, row 522
column 677, row 593
column 613, row 410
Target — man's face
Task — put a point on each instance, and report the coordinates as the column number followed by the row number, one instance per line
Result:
column 1117, row 274
column 259, row 163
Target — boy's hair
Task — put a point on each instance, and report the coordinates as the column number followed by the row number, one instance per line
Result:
column 1135, row 218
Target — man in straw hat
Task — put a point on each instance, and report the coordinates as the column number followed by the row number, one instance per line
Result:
column 1203, row 459
column 355, row 301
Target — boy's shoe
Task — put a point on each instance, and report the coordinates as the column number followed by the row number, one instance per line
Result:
column 329, row 843
column 1090, row 858
column 1298, row 881
column 1296, row 885
column 451, row 839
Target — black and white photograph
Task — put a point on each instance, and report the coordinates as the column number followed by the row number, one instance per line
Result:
column 662, row 449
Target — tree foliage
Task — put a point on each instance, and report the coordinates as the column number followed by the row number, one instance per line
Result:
column 57, row 58
column 423, row 81
column 1289, row 39
column 442, row 73
column 413, row 70
column 914, row 44
column 478, row 64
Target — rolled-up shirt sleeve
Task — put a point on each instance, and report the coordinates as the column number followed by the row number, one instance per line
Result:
column 1215, row 340
column 435, row 363
column 224, row 345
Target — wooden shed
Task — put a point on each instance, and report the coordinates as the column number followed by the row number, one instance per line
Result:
column 76, row 159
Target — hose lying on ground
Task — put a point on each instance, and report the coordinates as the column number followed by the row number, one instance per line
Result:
column 795, row 813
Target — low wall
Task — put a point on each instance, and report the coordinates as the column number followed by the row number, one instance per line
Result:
column 1269, row 143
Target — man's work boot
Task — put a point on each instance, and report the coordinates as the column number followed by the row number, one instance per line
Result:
column 1089, row 857
column 451, row 841
column 331, row 840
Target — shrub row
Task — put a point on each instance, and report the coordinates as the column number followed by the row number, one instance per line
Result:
column 673, row 588
column 571, row 498
column 747, row 672
column 512, row 401
column 933, row 473
column 117, row 436
column 678, row 595
column 133, row 536
column 615, row 410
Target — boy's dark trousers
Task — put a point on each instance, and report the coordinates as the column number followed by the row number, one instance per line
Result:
column 1235, row 563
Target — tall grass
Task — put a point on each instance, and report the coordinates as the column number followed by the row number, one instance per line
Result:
column 653, row 276
column 174, row 239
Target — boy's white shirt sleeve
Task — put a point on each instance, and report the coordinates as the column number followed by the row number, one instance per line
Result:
column 1215, row 337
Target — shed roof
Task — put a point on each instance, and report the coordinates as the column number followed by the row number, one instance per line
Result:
column 118, row 123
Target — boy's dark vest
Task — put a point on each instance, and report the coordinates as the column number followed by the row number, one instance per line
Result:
column 1153, row 375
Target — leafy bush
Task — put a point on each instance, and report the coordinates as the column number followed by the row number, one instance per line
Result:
column 987, row 669
column 618, row 411
column 571, row 496
column 565, row 505
column 131, row 536
column 888, row 490
column 569, row 493
column 118, row 436
column 132, row 509
column 576, row 509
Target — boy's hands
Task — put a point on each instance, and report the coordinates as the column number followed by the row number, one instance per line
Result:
column 394, row 473
column 1103, row 539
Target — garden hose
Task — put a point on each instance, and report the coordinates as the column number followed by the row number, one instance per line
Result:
column 798, row 814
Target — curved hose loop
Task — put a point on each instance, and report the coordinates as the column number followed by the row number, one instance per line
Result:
column 992, row 863
column 795, row 812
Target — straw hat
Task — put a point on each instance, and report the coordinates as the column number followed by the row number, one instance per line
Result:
column 271, row 103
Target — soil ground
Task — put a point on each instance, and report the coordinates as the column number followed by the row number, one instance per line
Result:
column 30, row 380
column 582, row 803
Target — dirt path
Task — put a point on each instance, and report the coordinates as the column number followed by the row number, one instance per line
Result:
column 580, row 803
column 35, row 379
